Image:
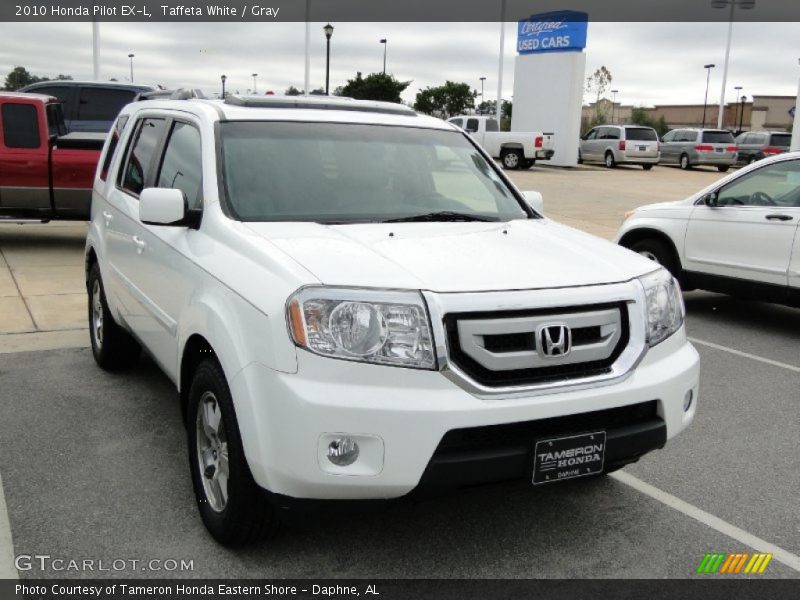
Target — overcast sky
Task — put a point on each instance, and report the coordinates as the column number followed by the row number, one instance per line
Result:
column 652, row 63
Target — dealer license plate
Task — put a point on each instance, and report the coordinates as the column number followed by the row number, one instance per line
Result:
column 642, row 148
column 557, row 459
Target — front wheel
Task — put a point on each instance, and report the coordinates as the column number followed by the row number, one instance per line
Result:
column 113, row 348
column 511, row 159
column 723, row 168
column 231, row 504
column 647, row 167
column 659, row 252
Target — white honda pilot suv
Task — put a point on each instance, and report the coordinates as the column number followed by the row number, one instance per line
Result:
column 354, row 302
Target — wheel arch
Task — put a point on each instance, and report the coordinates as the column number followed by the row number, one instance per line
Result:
column 633, row 236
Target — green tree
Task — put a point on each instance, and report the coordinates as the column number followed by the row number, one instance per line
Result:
column 292, row 91
column 375, row 86
column 640, row 116
column 19, row 77
column 445, row 100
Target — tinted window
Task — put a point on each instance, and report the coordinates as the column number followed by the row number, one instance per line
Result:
column 457, row 122
column 609, row 133
column 98, row 104
column 138, row 168
column 491, row 125
column 592, row 134
column 182, row 166
column 781, row 139
column 670, row 136
column 347, row 173
column 717, row 137
column 774, row 185
column 62, row 92
column 20, row 126
column 472, row 125
column 112, row 146
column 641, row 134
column 55, row 120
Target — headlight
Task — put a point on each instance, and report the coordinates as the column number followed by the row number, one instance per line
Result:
column 374, row 326
column 665, row 309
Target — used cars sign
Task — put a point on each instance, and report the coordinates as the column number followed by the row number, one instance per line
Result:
column 557, row 31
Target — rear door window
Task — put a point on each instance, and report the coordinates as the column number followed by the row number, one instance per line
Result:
column 99, row 104
column 641, row 134
column 491, row 125
column 472, row 125
column 717, row 137
column 20, row 126
column 63, row 93
column 138, row 171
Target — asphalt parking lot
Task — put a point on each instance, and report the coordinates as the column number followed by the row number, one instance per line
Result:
column 93, row 465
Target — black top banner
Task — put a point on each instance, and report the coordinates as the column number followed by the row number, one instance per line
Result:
column 396, row 10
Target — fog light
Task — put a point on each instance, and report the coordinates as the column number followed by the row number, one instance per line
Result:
column 343, row 451
column 687, row 400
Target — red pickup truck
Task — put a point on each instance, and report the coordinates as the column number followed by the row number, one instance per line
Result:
column 45, row 173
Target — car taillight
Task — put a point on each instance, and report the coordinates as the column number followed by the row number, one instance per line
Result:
column 772, row 150
column 702, row 148
column 622, row 144
column 539, row 141
column 730, row 149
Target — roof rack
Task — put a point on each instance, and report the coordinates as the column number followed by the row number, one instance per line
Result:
column 316, row 103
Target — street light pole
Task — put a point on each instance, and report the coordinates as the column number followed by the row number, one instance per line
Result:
column 255, row 75
column 744, row 5
column 223, row 78
column 328, row 29
column 385, row 44
column 741, row 116
column 130, row 57
column 708, row 79
column 614, row 106
column 738, row 89
column 483, row 79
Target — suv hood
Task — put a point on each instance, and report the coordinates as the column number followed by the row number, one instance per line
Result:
column 453, row 257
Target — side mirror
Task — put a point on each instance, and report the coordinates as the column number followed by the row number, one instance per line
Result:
column 535, row 201
column 163, row 206
column 710, row 199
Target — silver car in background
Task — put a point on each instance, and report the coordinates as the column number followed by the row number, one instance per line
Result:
column 620, row 145
column 695, row 147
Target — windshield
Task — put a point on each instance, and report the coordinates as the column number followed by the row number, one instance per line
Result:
column 641, row 134
column 353, row 173
column 717, row 137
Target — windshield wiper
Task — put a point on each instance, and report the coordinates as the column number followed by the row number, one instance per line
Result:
column 441, row 215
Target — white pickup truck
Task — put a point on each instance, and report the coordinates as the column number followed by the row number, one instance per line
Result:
column 515, row 149
column 355, row 302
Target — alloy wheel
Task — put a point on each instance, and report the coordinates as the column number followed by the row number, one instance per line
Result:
column 212, row 452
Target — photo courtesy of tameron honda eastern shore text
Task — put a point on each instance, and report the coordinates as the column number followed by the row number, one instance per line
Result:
column 355, row 303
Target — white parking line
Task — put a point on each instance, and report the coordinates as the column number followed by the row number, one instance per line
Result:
column 768, row 361
column 7, row 569
column 740, row 535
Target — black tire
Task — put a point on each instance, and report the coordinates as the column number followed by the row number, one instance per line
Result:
column 113, row 348
column 658, row 251
column 685, row 163
column 610, row 161
column 647, row 167
column 580, row 158
column 246, row 515
column 752, row 160
column 511, row 159
column 723, row 168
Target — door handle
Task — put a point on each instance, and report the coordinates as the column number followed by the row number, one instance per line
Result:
column 139, row 243
column 779, row 218
column 108, row 217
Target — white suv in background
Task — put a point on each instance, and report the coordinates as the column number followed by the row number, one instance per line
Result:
column 355, row 303
column 738, row 236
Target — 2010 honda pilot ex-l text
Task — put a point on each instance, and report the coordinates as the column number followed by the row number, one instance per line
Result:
column 354, row 302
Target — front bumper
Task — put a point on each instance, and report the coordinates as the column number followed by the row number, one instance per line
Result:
column 402, row 415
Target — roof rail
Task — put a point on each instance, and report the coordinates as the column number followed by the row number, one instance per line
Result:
column 320, row 103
